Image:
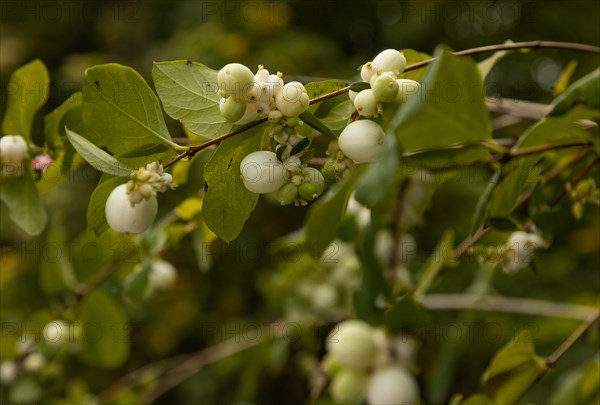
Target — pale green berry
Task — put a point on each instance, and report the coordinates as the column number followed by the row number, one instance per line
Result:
column 232, row 109
column 276, row 116
column 390, row 60
column 287, row 194
column 392, row 386
column 352, row 344
column 349, row 387
column 407, row 89
column 262, row 172
column 385, row 89
column 292, row 122
column 362, row 141
column 235, row 80
column 292, row 100
column 380, row 74
column 123, row 217
column 365, row 103
column 331, row 365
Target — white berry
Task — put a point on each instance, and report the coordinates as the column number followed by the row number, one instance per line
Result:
column 292, row 100
column 365, row 103
column 392, row 386
column 362, row 141
column 232, row 109
column 519, row 250
column 407, row 89
column 124, row 217
column 368, row 70
column 262, row 172
column 8, row 372
column 162, row 276
column 235, row 80
column 352, row 344
column 349, row 386
column 390, row 60
column 13, row 151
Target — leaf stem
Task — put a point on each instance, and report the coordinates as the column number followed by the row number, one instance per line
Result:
column 566, row 345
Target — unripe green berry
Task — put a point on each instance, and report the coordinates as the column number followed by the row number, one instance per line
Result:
column 349, row 386
column 362, row 141
column 315, row 177
column 307, row 191
column 232, row 109
column 275, row 116
column 235, row 80
column 385, row 89
column 293, row 122
column 365, row 103
column 287, row 194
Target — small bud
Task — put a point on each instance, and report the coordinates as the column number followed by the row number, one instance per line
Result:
column 287, row 194
column 307, row 191
column 275, row 117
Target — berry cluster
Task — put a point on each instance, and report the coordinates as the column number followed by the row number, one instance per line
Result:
column 361, row 365
column 362, row 140
column 132, row 207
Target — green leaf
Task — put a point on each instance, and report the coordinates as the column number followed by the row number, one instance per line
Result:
column 121, row 113
column 24, row 206
column 503, row 224
column 413, row 57
column 440, row 257
column 517, row 352
column 325, row 215
column 106, row 330
column 189, row 93
column 478, row 399
column 517, row 175
column 68, row 114
column 480, row 209
column 96, row 157
column 584, row 91
column 448, row 158
column 565, row 77
column 96, row 219
column 337, row 118
column 312, row 121
column 359, row 86
column 381, row 178
column 316, row 89
column 558, row 130
column 227, row 203
column 405, row 314
column 486, row 65
column 27, row 91
column 452, row 111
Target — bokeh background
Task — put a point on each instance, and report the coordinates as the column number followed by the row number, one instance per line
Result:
column 318, row 39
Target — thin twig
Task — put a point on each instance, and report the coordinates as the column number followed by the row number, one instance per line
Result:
column 558, row 353
column 563, row 191
column 516, row 305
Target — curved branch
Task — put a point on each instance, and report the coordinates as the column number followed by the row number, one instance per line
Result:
column 191, row 151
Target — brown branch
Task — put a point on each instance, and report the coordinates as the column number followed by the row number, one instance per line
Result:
column 490, row 48
column 563, row 191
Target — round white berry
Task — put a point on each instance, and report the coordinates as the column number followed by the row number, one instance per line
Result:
column 13, row 151
column 235, row 80
column 365, row 103
column 392, row 386
column 352, row 344
column 34, row 362
column 292, row 100
column 368, row 70
column 57, row 333
column 162, row 276
column 362, row 141
column 262, row 172
column 407, row 89
column 8, row 372
column 250, row 114
column 349, row 386
column 390, row 60
column 124, row 217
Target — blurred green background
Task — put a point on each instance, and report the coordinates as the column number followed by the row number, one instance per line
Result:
column 322, row 39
